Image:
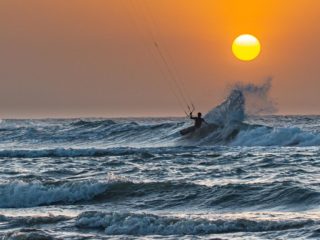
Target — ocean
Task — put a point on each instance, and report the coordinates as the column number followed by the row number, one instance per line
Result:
column 255, row 177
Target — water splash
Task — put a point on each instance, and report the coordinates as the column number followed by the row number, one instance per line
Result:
column 257, row 97
column 230, row 111
column 244, row 99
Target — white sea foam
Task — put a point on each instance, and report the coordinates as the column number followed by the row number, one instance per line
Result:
column 228, row 112
column 28, row 194
column 148, row 224
column 264, row 136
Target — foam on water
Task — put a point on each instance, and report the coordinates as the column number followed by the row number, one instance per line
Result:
column 132, row 224
column 264, row 136
column 114, row 223
column 19, row 194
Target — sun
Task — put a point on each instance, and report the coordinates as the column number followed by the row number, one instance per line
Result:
column 246, row 47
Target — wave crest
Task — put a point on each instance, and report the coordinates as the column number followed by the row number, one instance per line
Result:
column 19, row 194
column 114, row 223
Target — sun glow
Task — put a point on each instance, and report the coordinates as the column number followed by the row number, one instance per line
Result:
column 246, row 47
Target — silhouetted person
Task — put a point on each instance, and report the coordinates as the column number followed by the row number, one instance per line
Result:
column 197, row 120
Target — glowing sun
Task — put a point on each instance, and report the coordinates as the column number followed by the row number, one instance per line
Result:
column 246, row 47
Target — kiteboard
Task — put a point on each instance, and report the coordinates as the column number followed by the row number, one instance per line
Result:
column 187, row 130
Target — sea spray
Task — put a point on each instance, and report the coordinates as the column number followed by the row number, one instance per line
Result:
column 230, row 111
column 257, row 97
column 243, row 99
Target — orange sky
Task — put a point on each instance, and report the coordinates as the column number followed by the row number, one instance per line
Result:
column 97, row 58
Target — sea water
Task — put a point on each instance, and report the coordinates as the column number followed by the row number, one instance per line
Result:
column 139, row 179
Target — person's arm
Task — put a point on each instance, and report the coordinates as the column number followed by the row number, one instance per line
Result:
column 191, row 117
column 205, row 121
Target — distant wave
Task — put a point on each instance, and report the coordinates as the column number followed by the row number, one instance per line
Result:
column 93, row 123
column 93, row 152
column 114, row 223
column 75, row 132
column 33, row 220
column 27, row 234
column 69, row 152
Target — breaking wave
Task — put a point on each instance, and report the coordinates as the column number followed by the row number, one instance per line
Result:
column 144, row 224
column 114, row 223
column 21, row 194
column 232, row 129
column 18, row 194
column 266, row 136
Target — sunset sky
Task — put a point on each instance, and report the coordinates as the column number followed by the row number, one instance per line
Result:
column 83, row 58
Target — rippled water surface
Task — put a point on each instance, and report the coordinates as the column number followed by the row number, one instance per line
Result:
column 139, row 179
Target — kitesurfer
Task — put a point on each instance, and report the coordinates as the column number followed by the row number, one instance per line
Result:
column 197, row 120
column 197, row 124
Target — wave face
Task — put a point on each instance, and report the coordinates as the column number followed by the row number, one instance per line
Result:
column 22, row 194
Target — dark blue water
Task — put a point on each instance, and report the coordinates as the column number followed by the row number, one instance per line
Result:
column 138, row 178
column 237, row 177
